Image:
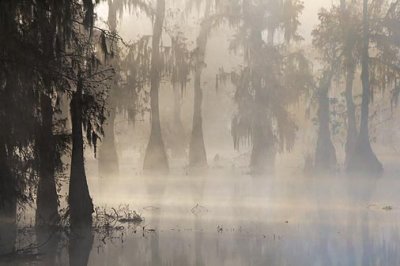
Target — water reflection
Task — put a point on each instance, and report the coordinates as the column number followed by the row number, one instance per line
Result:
column 8, row 228
column 155, row 187
column 238, row 220
column 49, row 246
column 80, row 246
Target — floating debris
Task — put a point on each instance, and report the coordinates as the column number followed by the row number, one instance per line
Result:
column 380, row 207
column 219, row 229
column 145, row 230
column 199, row 210
column 135, row 219
column 108, row 222
column 387, row 208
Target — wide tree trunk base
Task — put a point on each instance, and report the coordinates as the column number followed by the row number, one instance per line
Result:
column 364, row 161
column 79, row 200
column 81, row 213
column 179, row 140
column 262, row 161
column 349, row 148
column 197, row 152
column 325, row 158
column 155, row 159
column 80, row 203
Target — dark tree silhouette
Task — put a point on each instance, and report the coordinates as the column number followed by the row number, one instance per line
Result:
column 363, row 158
column 325, row 154
column 89, row 92
column 47, row 198
column 128, row 97
column 17, row 119
column 156, row 157
column 79, row 246
column 328, row 38
column 80, row 202
column 345, row 37
column 8, row 204
column 178, row 67
column 179, row 132
column 337, row 39
column 350, row 24
column 50, row 34
column 197, row 150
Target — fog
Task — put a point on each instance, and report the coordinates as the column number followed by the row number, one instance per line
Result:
column 188, row 132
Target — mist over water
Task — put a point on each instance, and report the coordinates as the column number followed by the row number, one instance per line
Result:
column 224, row 216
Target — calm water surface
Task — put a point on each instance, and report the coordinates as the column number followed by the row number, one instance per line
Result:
column 225, row 217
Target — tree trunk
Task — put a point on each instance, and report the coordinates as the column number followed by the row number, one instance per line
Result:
column 351, row 116
column 8, row 204
column 350, row 73
column 47, row 198
column 156, row 158
column 108, row 157
column 325, row 154
column 197, row 150
column 263, row 152
column 179, row 134
column 80, row 203
column 363, row 159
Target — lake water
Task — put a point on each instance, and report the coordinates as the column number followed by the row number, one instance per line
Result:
column 226, row 217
